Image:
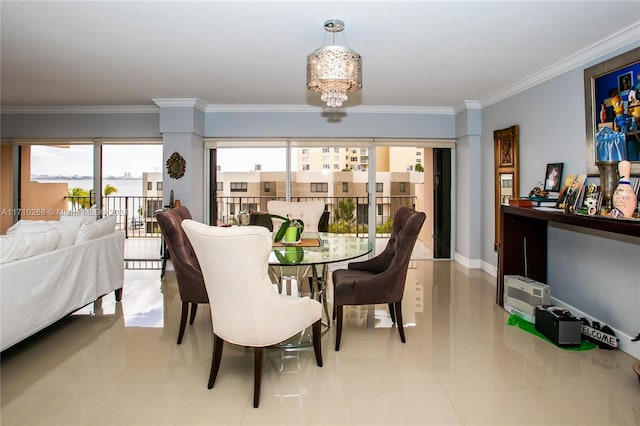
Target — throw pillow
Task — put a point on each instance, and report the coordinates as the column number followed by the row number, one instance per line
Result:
column 68, row 230
column 30, row 227
column 85, row 216
column 99, row 228
column 19, row 246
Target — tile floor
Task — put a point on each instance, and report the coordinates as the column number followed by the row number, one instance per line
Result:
column 118, row 364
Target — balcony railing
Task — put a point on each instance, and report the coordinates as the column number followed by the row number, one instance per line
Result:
column 347, row 214
column 136, row 215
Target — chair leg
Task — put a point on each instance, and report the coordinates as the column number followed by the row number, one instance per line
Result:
column 392, row 312
column 194, row 309
column 398, row 309
column 338, row 326
column 334, row 302
column 215, row 360
column 183, row 320
column 317, row 341
column 257, row 380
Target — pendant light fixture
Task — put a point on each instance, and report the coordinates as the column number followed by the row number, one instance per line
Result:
column 334, row 70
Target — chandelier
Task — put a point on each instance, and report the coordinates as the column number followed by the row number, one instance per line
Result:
column 334, row 70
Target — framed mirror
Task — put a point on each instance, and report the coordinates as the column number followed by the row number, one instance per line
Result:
column 176, row 166
column 612, row 99
column 506, row 176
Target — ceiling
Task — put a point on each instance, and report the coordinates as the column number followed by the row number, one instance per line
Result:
column 238, row 54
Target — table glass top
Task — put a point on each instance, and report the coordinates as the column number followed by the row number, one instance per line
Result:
column 333, row 248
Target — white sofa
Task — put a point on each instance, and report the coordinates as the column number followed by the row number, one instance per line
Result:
column 55, row 273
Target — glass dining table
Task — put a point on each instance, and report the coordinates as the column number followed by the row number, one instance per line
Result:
column 308, row 261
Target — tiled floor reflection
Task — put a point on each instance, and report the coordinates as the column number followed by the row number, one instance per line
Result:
column 118, row 364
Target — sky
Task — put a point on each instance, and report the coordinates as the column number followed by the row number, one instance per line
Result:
column 136, row 159
column 78, row 160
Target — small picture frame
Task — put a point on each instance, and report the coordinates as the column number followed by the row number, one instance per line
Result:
column 625, row 81
column 553, row 177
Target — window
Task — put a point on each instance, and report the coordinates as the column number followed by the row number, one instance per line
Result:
column 380, row 209
column 325, row 158
column 354, row 159
column 336, row 167
column 418, row 153
column 409, row 168
column 305, row 159
column 305, row 167
column 219, row 186
column 159, row 186
column 336, row 158
column 402, row 187
column 149, row 186
column 345, row 186
column 379, row 187
column 305, row 150
column 336, row 150
column 238, row 187
column 319, row 187
column 325, row 149
column 364, row 160
column 418, row 160
column 325, row 166
column 267, row 187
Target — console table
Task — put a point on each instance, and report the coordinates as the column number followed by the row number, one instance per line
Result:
column 523, row 239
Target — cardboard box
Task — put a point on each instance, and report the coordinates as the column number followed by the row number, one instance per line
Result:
column 558, row 325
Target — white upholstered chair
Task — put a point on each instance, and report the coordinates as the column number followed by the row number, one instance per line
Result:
column 245, row 309
column 310, row 213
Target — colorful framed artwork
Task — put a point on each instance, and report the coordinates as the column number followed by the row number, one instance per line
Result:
column 612, row 100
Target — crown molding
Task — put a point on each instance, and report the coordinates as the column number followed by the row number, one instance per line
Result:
column 181, row 103
column 468, row 104
column 358, row 109
column 140, row 109
column 621, row 39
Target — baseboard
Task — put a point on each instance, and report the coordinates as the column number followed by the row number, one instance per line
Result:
column 490, row 269
column 466, row 262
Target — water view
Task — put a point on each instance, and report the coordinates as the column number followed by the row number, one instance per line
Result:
column 125, row 187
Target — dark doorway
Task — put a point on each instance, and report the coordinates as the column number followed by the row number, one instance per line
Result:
column 442, row 203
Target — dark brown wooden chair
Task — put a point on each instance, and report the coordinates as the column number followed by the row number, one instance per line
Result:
column 382, row 278
column 188, row 272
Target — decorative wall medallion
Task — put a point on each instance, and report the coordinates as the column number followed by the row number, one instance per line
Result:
column 176, row 166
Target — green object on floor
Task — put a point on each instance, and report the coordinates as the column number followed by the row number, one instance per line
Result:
column 531, row 328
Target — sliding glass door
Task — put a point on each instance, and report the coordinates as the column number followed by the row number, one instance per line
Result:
column 361, row 181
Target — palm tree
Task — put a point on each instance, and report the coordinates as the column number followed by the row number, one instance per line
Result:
column 80, row 197
column 109, row 189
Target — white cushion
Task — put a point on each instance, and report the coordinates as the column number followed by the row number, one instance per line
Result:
column 96, row 229
column 68, row 229
column 19, row 246
column 68, row 232
column 84, row 216
column 30, row 227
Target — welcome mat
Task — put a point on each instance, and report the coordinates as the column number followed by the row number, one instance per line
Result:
column 531, row 328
